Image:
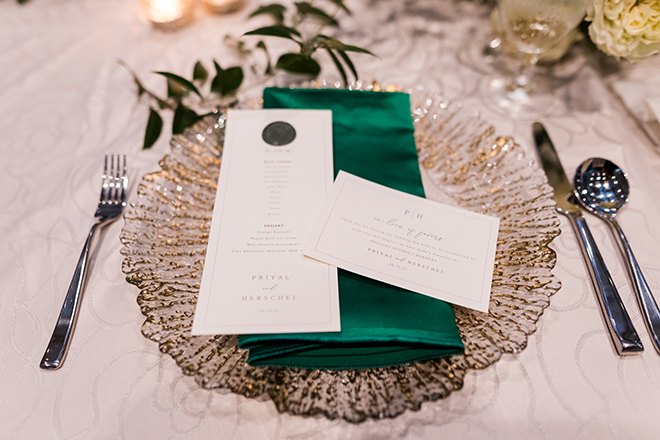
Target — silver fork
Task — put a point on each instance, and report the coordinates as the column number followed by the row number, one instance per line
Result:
column 111, row 206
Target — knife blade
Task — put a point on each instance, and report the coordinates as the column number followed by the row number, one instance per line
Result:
column 625, row 338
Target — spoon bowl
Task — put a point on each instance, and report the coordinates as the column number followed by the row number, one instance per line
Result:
column 602, row 188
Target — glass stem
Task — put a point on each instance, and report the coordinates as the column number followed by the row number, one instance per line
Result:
column 521, row 85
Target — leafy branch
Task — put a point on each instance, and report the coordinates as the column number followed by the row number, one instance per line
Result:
column 286, row 26
column 224, row 85
column 183, row 95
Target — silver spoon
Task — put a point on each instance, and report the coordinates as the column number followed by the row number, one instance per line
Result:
column 602, row 188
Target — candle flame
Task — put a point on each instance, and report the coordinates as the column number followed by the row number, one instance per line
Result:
column 165, row 11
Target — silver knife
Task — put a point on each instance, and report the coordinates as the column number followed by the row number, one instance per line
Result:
column 624, row 336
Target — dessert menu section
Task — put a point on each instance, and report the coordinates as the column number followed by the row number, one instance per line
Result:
column 276, row 173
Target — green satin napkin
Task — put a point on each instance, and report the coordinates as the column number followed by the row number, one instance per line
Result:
column 381, row 325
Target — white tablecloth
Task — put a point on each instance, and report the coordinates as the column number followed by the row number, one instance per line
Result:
column 65, row 101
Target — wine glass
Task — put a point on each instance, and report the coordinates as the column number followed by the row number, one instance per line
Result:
column 534, row 26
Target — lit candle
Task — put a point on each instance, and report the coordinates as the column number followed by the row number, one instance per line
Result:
column 169, row 14
column 223, row 6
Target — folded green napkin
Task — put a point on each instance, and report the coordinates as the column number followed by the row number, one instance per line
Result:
column 381, row 325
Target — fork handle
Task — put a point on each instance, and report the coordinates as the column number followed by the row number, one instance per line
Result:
column 66, row 322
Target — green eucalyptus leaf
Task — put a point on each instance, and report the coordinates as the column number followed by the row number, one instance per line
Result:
column 200, row 73
column 175, row 90
column 136, row 80
column 276, row 31
column 348, row 62
column 242, row 48
column 269, row 68
column 274, row 10
column 162, row 104
column 342, row 72
column 349, row 48
column 239, row 45
column 154, row 128
column 226, row 81
column 139, row 85
column 341, row 5
column 305, row 8
column 331, row 43
column 190, row 87
column 183, row 118
column 298, row 63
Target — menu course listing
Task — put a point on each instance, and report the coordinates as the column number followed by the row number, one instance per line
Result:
column 276, row 173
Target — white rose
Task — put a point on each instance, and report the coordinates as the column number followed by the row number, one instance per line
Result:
column 625, row 28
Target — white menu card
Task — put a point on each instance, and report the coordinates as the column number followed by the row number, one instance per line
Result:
column 276, row 173
column 411, row 242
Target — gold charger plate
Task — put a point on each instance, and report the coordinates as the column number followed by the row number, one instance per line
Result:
column 464, row 163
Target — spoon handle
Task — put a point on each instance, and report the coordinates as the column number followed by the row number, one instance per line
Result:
column 621, row 329
column 644, row 296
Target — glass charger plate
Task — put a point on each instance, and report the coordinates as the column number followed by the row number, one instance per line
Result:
column 463, row 164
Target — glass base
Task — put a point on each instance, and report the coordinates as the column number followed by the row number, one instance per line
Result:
column 521, row 104
column 482, row 52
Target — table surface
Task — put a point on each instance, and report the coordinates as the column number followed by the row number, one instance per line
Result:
column 65, row 101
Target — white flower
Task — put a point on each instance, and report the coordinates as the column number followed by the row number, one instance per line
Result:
column 625, row 28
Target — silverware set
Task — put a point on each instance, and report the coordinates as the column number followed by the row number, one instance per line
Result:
column 601, row 187
column 110, row 208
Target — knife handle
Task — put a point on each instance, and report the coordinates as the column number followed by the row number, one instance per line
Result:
column 622, row 331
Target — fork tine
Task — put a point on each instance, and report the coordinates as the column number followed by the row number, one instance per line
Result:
column 118, row 180
column 104, row 177
column 124, row 181
column 117, row 170
column 113, row 179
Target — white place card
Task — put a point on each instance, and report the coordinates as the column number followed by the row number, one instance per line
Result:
column 276, row 173
column 414, row 243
